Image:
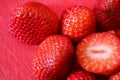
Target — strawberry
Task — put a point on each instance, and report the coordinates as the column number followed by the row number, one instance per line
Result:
column 80, row 75
column 115, row 32
column 78, row 22
column 53, row 59
column 99, row 53
column 33, row 22
column 115, row 76
column 108, row 14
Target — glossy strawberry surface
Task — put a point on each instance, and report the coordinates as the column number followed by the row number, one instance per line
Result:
column 81, row 75
column 32, row 22
column 108, row 14
column 78, row 22
column 53, row 60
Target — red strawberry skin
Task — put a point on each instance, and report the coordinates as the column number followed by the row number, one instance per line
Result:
column 54, row 58
column 32, row 22
column 80, row 75
column 78, row 22
column 115, row 32
column 108, row 14
column 99, row 53
column 115, row 76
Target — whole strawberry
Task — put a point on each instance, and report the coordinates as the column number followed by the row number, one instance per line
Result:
column 32, row 22
column 53, row 59
column 99, row 53
column 115, row 32
column 80, row 75
column 108, row 14
column 78, row 22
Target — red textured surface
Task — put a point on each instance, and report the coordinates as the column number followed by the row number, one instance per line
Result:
column 15, row 57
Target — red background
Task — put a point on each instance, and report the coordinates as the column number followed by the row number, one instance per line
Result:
column 15, row 57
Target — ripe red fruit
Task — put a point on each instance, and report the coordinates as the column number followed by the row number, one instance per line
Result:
column 54, row 58
column 115, row 32
column 80, row 75
column 108, row 14
column 78, row 22
column 99, row 53
column 115, row 76
column 32, row 22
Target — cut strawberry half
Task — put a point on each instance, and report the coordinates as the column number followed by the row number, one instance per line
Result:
column 99, row 53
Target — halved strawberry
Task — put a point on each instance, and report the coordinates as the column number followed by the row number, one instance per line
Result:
column 99, row 53
column 80, row 75
column 33, row 22
column 78, row 22
column 115, row 76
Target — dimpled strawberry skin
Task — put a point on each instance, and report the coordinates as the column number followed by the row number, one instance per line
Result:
column 108, row 14
column 115, row 76
column 53, row 59
column 32, row 22
column 78, row 22
column 81, row 75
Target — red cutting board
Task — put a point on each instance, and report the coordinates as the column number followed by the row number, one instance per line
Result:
column 15, row 57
